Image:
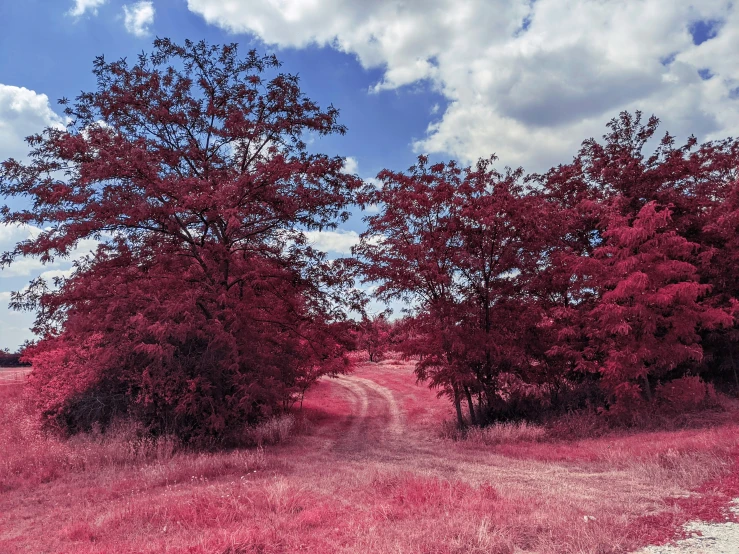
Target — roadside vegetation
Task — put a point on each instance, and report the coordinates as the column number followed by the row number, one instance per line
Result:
column 341, row 483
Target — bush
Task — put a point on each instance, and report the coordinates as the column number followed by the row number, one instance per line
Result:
column 685, row 394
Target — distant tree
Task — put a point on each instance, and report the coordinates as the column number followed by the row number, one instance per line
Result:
column 203, row 307
column 10, row 359
column 374, row 335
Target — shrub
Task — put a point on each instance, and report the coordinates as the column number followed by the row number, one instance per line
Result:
column 685, row 394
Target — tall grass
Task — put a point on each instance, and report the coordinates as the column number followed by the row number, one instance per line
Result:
column 30, row 456
column 497, row 433
column 273, row 431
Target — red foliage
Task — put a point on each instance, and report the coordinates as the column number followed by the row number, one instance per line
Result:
column 686, row 393
column 374, row 336
column 462, row 243
column 646, row 325
column 590, row 284
column 203, row 307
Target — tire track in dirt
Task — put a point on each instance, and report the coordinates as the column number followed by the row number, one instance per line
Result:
column 394, row 425
column 376, row 421
column 361, row 405
column 378, row 432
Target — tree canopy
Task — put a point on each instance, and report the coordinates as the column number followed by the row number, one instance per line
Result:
column 203, row 305
column 591, row 284
column 609, row 281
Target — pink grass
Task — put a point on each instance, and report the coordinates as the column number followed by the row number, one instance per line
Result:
column 351, row 484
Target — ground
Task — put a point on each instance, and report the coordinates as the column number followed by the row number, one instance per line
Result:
column 370, row 472
column 704, row 538
column 12, row 375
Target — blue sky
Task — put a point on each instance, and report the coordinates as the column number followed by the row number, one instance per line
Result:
column 526, row 79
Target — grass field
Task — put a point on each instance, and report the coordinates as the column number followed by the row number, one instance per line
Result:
column 12, row 375
column 369, row 471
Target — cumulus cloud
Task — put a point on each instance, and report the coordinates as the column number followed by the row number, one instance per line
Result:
column 338, row 242
column 138, row 17
column 14, row 326
column 527, row 80
column 351, row 166
column 23, row 112
column 81, row 7
column 10, row 235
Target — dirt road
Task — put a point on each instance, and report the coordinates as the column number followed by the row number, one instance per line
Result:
column 375, row 423
column 377, row 431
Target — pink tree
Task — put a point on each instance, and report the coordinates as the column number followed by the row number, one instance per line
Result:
column 203, row 307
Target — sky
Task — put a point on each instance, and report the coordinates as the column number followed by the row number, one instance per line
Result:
column 527, row 80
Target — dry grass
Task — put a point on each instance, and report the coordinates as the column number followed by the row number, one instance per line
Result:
column 273, row 431
column 353, row 485
column 498, row 433
column 32, row 458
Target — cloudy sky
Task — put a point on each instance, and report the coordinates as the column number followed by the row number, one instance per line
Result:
column 525, row 79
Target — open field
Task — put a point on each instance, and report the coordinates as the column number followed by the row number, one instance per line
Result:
column 13, row 375
column 368, row 473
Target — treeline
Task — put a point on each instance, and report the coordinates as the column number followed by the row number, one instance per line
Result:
column 607, row 282
column 8, row 359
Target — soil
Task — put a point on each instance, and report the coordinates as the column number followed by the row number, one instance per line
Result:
column 704, row 538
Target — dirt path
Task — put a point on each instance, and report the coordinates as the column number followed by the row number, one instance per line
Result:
column 375, row 422
column 707, row 538
column 377, row 431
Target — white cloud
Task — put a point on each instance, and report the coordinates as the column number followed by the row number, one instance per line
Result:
column 339, row 242
column 138, row 17
column 10, row 235
column 14, row 326
column 23, row 112
column 351, row 166
column 81, row 7
column 527, row 80
column 374, row 181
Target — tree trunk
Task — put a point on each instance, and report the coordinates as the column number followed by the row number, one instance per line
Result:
column 470, row 406
column 458, row 407
column 647, row 388
column 733, row 366
column 481, row 412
